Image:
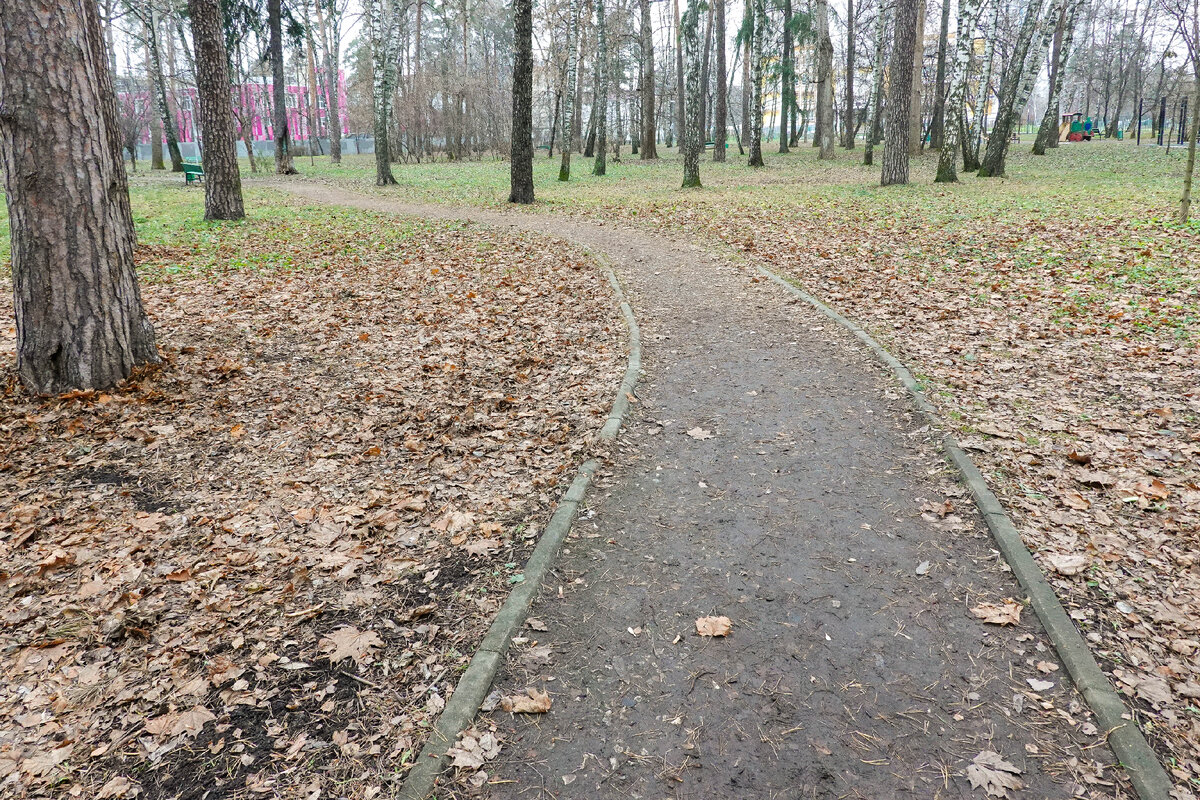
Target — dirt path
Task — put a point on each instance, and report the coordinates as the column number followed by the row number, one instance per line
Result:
column 814, row 519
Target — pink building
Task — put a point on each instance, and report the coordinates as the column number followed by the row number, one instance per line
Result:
column 252, row 105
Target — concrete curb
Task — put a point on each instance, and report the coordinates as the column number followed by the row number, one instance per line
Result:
column 1145, row 772
column 475, row 683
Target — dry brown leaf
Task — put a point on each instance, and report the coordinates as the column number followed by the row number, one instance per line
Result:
column 990, row 772
column 350, row 642
column 532, row 702
column 1006, row 613
column 713, row 626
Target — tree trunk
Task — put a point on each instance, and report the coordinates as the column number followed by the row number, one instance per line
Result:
column 691, row 144
column 564, row 171
column 1063, row 35
column 1185, row 202
column 283, row 142
column 824, row 134
column 1018, row 84
column 974, row 138
column 704, row 76
column 80, row 320
column 938, row 125
column 600, row 102
column 875, row 103
column 381, row 32
column 649, row 120
column 521, row 157
column 156, row 130
column 850, row 129
column 968, row 15
column 330, row 45
column 680, row 90
column 785, row 76
column 916, row 137
column 900, row 95
column 164, row 107
column 756, row 104
column 721, row 101
column 747, row 59
column 222, row 180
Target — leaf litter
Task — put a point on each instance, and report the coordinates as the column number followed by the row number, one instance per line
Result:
column 260, row 567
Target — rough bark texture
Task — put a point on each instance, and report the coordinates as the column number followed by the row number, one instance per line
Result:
column 80, row 321
column 156, row 130
column 222, row 179
column 968, row 15
column 848, row 129
column 521, row 157
column 283, row 139
column 875, row 102
column 693, row 124
column 680, row 91
column 900, row 95
column 649, row 119
column 721, row 101
column 756, row 103
column 564, row 170
column 1185, row 202
column 916, row 137
column 600, row 104
column 824, row 133
column 938, row 125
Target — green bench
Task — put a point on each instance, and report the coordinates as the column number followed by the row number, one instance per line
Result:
column 192, row 172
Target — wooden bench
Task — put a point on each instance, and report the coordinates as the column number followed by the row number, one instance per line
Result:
column 192, row 172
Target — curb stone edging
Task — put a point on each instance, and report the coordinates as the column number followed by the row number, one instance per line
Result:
column 475, row 683
column 1150, row 780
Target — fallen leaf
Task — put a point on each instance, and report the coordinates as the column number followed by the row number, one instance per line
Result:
column 713, row 626
column 1006, row 613
column 1039, row 685
column 350, row 642
column 990, row 772
column 1069, row 564
column 532, row 702
column 700, row 433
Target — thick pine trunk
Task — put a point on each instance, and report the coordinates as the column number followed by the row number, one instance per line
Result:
column 649, row 121
column 721, row 101
column 80, row 321
column 521, row 161
column 900, row 95
column 222, row 180
column 283, row 139
column 692, row 142
column 756, row 103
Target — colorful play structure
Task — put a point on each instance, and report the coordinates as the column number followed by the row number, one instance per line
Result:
column 1075, row 128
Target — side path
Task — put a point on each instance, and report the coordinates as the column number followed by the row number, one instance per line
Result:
column 772, row 474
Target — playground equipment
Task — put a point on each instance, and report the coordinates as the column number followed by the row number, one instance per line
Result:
column 1075, row 128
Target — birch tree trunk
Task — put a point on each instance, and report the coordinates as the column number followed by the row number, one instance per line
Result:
column 785, row 78
column 1048, row 130
column 938, row 125
column 848, row 113
column 875, row 102
column 974, row 138
column 381, row 30
column 521, row 156
column 600, row 102
column 222, row 179
column 164, row 107
column 693, row 124
column 968, row 15
column 900, row 95
column 756, row 104
column 80, row 320
column 564, row 170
